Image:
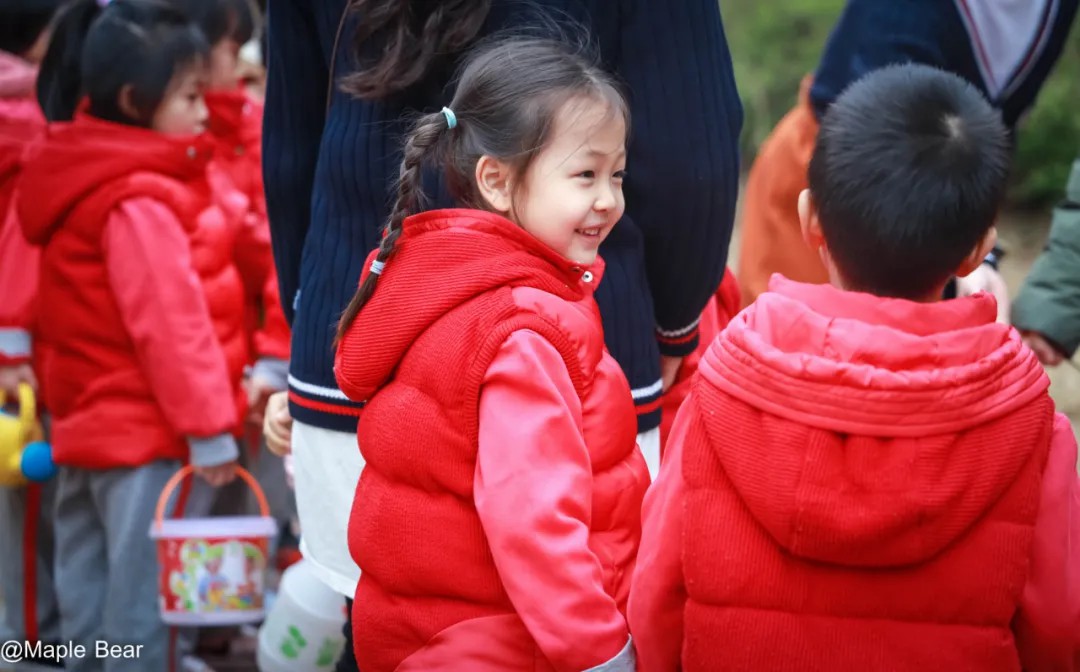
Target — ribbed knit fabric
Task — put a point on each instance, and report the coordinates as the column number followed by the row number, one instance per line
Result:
column 329, row 168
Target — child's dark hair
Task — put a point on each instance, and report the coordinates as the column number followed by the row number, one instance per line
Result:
column 98, row 51
column 222, row 19
column 908, row 175
column 507, row 98
column 23, row 22
column 407, row 39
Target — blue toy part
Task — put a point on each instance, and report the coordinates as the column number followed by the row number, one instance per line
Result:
column 37, row 462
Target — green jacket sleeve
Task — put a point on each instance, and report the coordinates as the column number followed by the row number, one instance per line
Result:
column 1049, row 301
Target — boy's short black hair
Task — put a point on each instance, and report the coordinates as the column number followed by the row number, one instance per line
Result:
column 908, row 174
column 23, row 21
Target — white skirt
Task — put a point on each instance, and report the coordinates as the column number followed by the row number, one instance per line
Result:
column 326, row 469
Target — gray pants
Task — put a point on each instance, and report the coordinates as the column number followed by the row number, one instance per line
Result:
column 13, row 578
column 107, row 569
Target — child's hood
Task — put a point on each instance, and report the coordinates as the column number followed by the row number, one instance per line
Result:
column 890, row 381
column 444, row 259
column 75, row 158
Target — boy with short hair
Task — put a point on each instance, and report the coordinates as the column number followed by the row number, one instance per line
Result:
column 865, row 476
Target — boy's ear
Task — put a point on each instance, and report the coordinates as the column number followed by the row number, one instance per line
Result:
column 978, row 253
column 493, row 182
column 809, row 222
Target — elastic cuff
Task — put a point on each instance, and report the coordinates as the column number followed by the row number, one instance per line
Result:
column 213, row 451
column 624, row 661
column 679, row 342
column 15, row 345
column 273, row 370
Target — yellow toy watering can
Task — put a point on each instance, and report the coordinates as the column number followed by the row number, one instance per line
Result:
column 24, row 456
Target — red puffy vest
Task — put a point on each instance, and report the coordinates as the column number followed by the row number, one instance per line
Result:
column 414, row 530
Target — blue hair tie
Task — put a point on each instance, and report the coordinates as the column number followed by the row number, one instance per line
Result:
column 451, row 118
column 377, row 267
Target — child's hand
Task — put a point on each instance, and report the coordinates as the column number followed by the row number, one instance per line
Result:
column 277, row 426
column 259, row 391
column 11, row 376
column 219, row 475
column 1047, row 353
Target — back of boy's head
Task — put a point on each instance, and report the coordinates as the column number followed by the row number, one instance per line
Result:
column 100, row 49
column 907, row 177
column 23, row 21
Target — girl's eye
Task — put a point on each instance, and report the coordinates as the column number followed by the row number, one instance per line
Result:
column 587, row 174
column 620, row 175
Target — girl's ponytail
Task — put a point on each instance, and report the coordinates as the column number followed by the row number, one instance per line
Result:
column 59, row 84
column 424, row 137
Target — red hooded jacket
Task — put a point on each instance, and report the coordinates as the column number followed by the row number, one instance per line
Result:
column 858, row 483
column 134, row 365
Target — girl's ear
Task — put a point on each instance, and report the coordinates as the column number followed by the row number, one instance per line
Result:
column 126, row 102
column 493, row 181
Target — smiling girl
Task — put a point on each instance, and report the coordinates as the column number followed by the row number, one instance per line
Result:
column 498, row 517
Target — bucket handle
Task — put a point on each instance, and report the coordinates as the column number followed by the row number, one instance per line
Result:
column 187, row 470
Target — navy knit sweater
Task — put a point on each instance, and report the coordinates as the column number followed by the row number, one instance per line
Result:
column 329, row 166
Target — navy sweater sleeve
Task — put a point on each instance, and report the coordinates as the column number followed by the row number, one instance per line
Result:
column 683, row 164
column 297, row 76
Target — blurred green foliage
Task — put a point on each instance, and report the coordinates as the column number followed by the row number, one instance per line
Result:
column 775, row 43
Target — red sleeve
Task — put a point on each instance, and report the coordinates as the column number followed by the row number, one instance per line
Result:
column 272, row 339
column 255, row 261
column 19, row 261
column 148, row 259
column 1048, row 623
column 533, row 491
column 658, row 595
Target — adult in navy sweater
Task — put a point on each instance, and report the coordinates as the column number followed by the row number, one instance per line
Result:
column 331, row 158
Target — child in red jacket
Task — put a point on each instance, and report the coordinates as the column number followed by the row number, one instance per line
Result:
column 498, row 430
column 235, row 125
column 865, row 477
column 137, row 379
column 26, row 568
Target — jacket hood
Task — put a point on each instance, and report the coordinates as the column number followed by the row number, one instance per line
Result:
column 444, row 259
column 75, row 158
column 885, row 386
